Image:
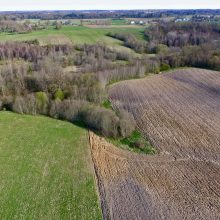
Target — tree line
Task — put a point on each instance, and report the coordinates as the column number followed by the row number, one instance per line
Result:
column 101, row 14
column 185, row 44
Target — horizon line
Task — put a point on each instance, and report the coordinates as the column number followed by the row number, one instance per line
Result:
column 155, row 9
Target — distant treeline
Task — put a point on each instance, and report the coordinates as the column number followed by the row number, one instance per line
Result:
column 53, row 15
column 186, row 44
column 177, row 44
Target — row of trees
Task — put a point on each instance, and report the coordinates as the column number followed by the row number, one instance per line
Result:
column 186, row 44
column 102, row 120
column 182, row 34
column 130, row 41
column 31, row 51
column 11, row 26
column 202, row 56
column 136, row 69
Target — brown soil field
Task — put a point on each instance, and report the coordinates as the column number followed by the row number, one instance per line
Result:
column 179, row 112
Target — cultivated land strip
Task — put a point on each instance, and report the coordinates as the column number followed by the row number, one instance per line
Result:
column 179, row 113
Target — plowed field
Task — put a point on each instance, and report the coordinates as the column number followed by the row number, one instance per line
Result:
column 179, row 112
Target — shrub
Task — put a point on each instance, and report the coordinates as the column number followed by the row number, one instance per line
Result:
column 19, row 105
column 58, row 25
column 161, row 48
column 126, row 124
column 59, row 95
column 34, row 84
column 107, row 104
column 42, row 102
column 25, row 105
column 35, row 42
column 136, row 140
column 67, row 110
column 102, row 120
column 164, row 67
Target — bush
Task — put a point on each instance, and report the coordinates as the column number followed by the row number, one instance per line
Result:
column 35, row 42
column 107, row 104
column 126, row 124
column 58, row 25
column 162, row 49
column 25, row 105
column 66, row 110
column 59, row 95
column 136, row 140
column 34, row 84
column 164, row 67
column 102, row 120
column 42, row 102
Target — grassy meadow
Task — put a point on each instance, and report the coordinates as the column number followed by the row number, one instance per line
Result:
column 74, row 34
column 45, row 170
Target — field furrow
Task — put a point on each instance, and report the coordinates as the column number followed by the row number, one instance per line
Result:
column 179, row 113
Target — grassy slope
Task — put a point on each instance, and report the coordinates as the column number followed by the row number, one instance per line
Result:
column 78, row 35
column 45, row 171
column 75, row 34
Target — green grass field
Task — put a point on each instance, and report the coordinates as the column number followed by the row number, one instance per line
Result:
column 73, row 34
column 119, row 21
column 45, row 170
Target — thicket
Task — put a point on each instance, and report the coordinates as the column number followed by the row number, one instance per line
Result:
column 11, row 26
column 185, row 44
column 130, row 41
column 33, row 80
column 180, row 34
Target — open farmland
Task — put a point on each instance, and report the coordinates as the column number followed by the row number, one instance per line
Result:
column 78, row 35
column 179, row 113
column 45, row 170
column 169, row 108
column 74, row 34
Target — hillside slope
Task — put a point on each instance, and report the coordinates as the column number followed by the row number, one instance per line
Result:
column 45, row 170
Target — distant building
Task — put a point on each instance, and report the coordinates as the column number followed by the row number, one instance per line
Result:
column 182, row 19
column 200, row 18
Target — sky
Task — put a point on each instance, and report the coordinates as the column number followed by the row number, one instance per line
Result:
column 11, row 5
